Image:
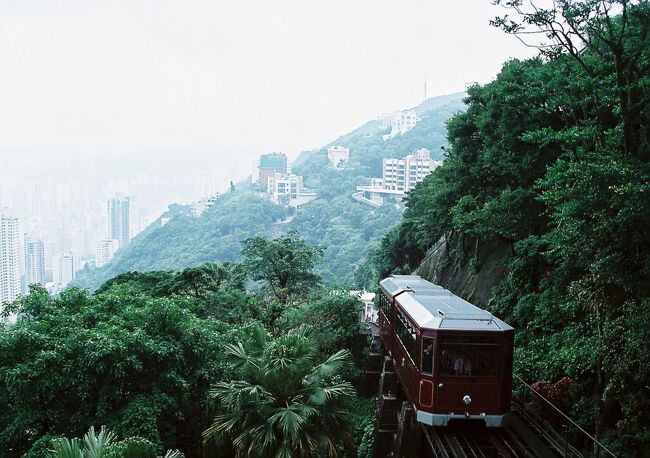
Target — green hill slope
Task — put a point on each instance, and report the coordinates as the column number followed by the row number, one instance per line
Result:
column 185, row 240
column 346, row 228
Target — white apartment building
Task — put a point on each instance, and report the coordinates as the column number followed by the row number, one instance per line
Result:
column 65, row 268
column 34, row 263
column 9, row 258
column 399, row 176
column 404, row 174
column 287, row 189
column 105, row 251
column 400, row 122
column 338, row 156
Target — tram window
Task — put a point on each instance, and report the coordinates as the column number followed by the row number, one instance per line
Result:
column 469, row 355
column 384, row 305
column 407, row 335
column 427, row 355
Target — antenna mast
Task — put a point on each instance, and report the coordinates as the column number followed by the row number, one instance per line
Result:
column 425, row 86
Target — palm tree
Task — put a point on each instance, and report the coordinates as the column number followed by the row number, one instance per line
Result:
column 105, row 445
column 285, row 405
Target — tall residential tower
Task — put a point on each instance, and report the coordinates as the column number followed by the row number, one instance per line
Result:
column 34, row 262
column 9, row 258
column 118, row 220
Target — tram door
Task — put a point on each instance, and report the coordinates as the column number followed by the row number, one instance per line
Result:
column 427, row 352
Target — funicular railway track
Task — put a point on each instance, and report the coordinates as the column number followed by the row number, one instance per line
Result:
column 464, row 441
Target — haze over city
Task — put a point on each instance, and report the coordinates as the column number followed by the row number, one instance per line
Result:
column 168, row 101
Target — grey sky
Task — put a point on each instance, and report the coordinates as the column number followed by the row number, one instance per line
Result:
column 250, row 76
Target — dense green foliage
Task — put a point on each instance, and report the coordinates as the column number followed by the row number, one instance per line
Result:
column 139, row 364
column 551, row 159
column 285, row 264
column 287, row 404
column 104, row 444
column 140, row 355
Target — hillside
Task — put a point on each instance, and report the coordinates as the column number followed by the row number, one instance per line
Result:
column 185, row 240
column 346, row 229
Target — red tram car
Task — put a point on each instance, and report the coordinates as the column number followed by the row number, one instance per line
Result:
column 454, row 360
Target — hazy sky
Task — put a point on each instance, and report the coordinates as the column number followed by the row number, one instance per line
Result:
column 252, row 76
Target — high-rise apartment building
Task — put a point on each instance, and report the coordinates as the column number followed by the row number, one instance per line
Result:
column 34, row 262
column 404, row 174
column 9, row 258
column 105, row 251
column 118, row 220
column 65, row 269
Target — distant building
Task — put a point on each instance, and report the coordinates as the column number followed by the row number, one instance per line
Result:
column 287, row 189
column 34, row 262
column 9, row 258
column 65, row 268
column 202, row 205
column 105, row 251
column 118, row 220
column 269, row 165
column 399, row 122
column 399, row 177
column 338, row 156
column 369, row 312
column 404, row 174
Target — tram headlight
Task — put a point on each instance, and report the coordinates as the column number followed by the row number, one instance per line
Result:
column 467, row 400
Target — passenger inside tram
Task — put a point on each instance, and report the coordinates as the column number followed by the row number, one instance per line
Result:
column 427, row 355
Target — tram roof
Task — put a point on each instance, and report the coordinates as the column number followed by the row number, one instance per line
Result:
column 434, row 307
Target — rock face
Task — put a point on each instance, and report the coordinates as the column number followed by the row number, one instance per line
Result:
column 467, row 266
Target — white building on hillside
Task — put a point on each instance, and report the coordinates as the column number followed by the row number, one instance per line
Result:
column 399, row 122
column 202, row 205
column 105, row 251
column 338, row 156
column 65, row 269
column 404, row 174
column 288, row 189
column 399, row 177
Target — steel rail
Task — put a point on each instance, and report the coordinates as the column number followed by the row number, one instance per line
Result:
column 564, row 415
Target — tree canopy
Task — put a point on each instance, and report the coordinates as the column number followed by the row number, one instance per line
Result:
column 549, row 161
column 287, row 404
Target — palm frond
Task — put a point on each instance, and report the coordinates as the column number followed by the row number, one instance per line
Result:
column 284, row 404
column 95, row 445
column 284, row 451
column 289, row 421
column 333, row 364
column 260, row 336
column 66, row 448
column 132, row 447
